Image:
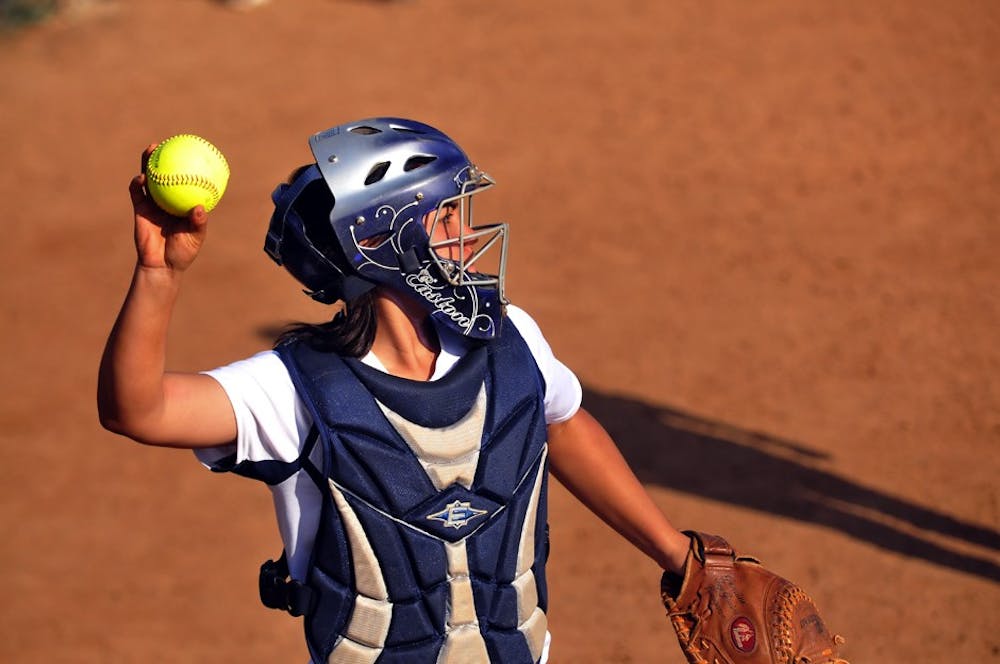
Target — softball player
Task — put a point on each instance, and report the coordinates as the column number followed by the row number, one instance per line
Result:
column 407, row 442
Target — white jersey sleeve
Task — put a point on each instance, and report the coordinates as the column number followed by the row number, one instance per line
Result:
column 271, row 419
column 563, row 393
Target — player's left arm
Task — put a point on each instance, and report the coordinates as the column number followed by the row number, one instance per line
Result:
column 584, row 458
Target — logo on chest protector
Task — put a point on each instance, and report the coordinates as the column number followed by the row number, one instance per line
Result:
column 456, row 514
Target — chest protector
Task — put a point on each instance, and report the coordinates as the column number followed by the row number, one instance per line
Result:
column 433, row 538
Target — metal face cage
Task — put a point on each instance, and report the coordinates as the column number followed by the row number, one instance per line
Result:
column 461, row 272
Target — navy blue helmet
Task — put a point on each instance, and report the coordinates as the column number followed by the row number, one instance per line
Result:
column 364, row 215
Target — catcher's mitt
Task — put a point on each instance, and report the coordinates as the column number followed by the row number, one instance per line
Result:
column 729, row 609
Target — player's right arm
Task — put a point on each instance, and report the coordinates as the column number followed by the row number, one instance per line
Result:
column 136, row 396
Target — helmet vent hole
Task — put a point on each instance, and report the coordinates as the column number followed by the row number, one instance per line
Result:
column 365, row 130
column 377, row 172
column 406, row 130
column 417, row 161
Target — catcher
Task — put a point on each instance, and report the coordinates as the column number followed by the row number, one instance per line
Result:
column 407, row 441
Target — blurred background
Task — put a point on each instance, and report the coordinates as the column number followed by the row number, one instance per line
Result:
column 764, row 235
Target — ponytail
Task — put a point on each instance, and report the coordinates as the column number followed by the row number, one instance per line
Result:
column 350, row 333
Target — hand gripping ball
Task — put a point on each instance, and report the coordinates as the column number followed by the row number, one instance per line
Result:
column 184, row 171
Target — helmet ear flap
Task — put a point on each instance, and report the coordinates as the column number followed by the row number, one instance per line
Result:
column 283, row 197
column 322, row 278
column 320, row 268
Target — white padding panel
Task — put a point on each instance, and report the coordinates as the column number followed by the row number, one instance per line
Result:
column 447, row 443
column 370, row 621
column 463, row 607
column 527, row 596
column 444, row 474
column 367, row 571
column 458, row 558
column 534, row 629
column 526, row 548
column 349, row 652
column 464, row 645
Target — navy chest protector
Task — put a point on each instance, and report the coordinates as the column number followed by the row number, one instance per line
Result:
column 432, row 538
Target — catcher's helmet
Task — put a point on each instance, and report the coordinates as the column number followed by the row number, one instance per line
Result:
column 355, row 219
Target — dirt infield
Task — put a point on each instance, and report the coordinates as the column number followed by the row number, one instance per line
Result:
column 765, row 235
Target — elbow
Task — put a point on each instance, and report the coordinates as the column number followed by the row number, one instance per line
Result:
column 111, row 422
column 109, row 415
column 116, row 422
column 132, row 432
column 115, row 415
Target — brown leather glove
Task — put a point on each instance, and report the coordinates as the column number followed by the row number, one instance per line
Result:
column 729, row 609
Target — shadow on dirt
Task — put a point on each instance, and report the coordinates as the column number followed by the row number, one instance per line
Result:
column 732, row 465
column 724, row 463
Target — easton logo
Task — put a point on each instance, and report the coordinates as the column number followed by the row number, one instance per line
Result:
column 423, row 284
column 744, row 635
column 456, row 515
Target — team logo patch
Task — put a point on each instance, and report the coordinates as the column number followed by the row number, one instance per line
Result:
column 456, row 514
column 744, row 635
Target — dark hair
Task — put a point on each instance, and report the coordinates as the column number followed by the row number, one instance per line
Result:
column 350, row 333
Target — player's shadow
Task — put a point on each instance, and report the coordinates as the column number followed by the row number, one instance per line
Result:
column 728, row 464
column 725, row 463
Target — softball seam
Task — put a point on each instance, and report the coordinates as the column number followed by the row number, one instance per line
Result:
column 185, row 179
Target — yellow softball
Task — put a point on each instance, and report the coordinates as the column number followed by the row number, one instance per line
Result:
column 184, row 171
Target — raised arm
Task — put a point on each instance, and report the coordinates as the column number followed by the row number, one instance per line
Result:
column 584, row 458
column 136, row 396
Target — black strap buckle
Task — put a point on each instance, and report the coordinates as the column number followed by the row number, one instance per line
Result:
column 278, row 591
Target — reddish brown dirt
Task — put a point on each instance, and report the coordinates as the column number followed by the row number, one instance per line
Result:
column 764, row 235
